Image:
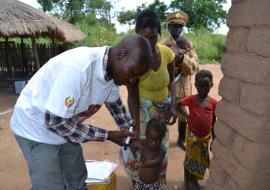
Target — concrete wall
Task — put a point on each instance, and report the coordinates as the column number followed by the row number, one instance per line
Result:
column 241, row 151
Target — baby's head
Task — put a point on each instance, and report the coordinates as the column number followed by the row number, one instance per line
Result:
column 183, row 43
column 155, row 132
column 203, row 82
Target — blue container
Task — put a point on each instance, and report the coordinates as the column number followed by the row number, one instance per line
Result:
column 19, row 85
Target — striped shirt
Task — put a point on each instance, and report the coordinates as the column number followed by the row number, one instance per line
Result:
column 73, row 130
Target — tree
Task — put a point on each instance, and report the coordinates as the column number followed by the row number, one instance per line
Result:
column 102, row 8
column 207, row 14
column 70, row 10
column 128, row 17
column 47, row 5
column 160, row 8
column 73, row 10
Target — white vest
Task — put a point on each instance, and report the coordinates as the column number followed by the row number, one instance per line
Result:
column 68, row 84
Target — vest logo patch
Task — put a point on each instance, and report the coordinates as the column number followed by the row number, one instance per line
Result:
column 69, row 102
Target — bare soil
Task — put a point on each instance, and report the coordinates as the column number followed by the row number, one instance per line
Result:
column 13, row 168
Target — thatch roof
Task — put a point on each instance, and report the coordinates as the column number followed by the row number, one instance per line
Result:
column 18, row 19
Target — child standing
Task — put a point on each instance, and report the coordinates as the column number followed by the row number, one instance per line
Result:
column 149, row 158
column 200, row 127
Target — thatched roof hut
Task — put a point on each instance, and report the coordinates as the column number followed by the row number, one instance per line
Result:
column 18, row 19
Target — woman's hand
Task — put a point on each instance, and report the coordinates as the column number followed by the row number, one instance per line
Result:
column 172, row 116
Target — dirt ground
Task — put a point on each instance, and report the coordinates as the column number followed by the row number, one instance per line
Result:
column 13, row 168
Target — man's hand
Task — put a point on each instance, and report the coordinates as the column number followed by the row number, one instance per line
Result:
column 136, row 134
column 118, row 137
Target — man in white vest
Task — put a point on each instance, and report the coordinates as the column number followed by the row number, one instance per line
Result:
column 47, row 118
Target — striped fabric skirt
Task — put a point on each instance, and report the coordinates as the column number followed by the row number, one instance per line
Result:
column 197, row 154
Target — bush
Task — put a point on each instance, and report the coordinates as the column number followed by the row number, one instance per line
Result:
column 209, row 47
column 90, row 19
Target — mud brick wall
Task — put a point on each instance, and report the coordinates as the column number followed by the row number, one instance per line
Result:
column 241, row 152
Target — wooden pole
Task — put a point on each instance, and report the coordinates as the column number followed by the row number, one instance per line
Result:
column 10, row 68
column 53, row 44
column 35, row 53
column 24, row 64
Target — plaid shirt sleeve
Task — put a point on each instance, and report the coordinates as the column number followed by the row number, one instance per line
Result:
column 73, row 130
column 119, row 113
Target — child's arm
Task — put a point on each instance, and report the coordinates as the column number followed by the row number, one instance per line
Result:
column 137, row 164
column 155, row 162
column 213, row 124
column 136, row 145
column 180, row 109
column 213, row 131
